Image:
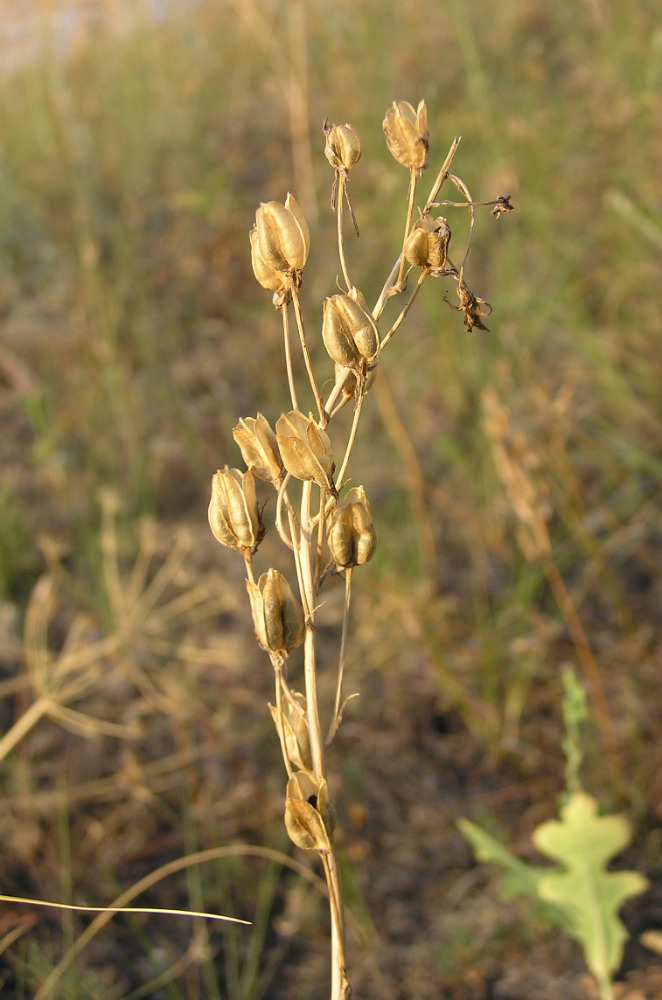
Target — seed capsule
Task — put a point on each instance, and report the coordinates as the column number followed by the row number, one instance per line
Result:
column 277, row 614
column 352, row 537
column 427, row 243
column 259, row 448
column 407, row 134
column 308, row 816
column 295, row 731
column 343, row 146
column 305, row 448
column 280, row 241
column 349, row 331
column 233, row 514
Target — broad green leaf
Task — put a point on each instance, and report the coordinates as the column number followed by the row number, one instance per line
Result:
column 589, row 895
column 521, row 879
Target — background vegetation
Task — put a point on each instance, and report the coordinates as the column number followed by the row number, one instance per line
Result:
column 134, row 151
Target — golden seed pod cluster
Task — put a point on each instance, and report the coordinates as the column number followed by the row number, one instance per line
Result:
column 427, row 243
column 277, row 614
column 348, row 329
column 352, row 537
column 407, row 135
column 305, row 448
column 234, row 516
column 280, row 242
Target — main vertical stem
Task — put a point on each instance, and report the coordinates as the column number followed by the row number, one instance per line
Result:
column 340, row 988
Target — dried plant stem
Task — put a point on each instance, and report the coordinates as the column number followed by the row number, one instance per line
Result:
column 338, row 704
column 421, row 278
column 342, row 191
column 413, row 178
column 358, row 406
column 306, row 353
column 288, row 355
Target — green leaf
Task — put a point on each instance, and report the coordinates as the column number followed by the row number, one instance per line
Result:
column 589, row 895
column 521, row 879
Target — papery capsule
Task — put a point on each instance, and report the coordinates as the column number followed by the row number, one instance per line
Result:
column 343, row 145
column 352, row 537
column 277, row 614
column 263, row 271
column 259, row 448
column 305, row 448
column 294, row 731
column 427, row 243
column 407, row 134
column 349, row 331
column 308, row 815
column 281, row 242
column 234, row 516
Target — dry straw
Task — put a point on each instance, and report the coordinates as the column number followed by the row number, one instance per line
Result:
column 326, row 531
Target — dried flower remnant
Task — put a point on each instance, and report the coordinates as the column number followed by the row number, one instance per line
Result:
column 470, row 305
column 407, row 135
column 259, row 448
column 502, row 206
column 234, row 516
column 277, row 614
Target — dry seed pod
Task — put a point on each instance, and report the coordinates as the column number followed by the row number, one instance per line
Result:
column 352, row 537
column 349, row 331
column 280, row 242
column 277, row 614
column 259, row 448
column 305, row 448
column 233, row 514
column 295, row 732
column 264, row 272
column 427, row 243
column 343, row 146
column 307, row 815
column 407, row 134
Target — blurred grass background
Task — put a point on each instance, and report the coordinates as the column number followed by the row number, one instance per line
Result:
column 136, row 142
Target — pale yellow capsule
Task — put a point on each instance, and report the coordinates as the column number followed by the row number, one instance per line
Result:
column 407, row 135
column 259, row 448
column 234, row 516
column 277, row 614
column 305, row 448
